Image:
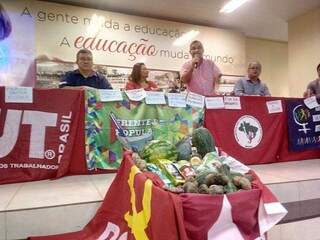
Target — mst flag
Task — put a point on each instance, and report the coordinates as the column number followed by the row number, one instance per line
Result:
column 134, row 209
column 251, row 134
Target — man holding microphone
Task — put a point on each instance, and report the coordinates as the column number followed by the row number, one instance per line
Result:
column 200, row 75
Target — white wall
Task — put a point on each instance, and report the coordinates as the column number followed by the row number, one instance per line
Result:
column 273, row 56
column 304, row 50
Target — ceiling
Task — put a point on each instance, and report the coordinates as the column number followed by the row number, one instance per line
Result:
column 265, row 19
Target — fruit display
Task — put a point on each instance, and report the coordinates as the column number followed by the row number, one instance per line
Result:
column 192, row 165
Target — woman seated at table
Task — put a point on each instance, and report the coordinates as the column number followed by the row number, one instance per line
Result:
column 138, row 79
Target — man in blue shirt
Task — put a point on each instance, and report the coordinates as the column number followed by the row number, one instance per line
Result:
column 84, row 76
column 251, row 84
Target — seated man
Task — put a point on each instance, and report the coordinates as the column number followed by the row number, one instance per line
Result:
column 84, row 76
column 251, row 84
column 313, row 88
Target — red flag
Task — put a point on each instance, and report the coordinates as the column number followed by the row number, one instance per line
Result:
column 42, row 139
column 243, row 215
column 251, row 134
column 134, row 208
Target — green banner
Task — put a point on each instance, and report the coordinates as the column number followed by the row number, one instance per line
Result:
column 140, row 123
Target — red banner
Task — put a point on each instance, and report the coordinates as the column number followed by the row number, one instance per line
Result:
column 137, row 208
column 252, row 135
column 243, row 215
column 41, row 140
column 133, row 208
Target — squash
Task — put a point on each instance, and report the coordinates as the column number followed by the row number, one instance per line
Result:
column 203, row 141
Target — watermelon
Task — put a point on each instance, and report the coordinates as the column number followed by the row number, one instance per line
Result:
column 159, row 149
column 203, row 141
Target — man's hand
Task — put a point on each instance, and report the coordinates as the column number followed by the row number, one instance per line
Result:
column 196, row 61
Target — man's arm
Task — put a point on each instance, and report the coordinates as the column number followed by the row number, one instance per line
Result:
column 310, row 91
column 186, row 72
column 104, row 83
column 266, row 91
column 217, row 76
column 65, row 80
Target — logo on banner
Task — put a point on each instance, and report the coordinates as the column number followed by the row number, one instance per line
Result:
column 248, row 131
column 137, row 221
column 301, row 116
column 39, row 122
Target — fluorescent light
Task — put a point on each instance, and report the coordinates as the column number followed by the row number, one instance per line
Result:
column 232, row 5
column 185, row 38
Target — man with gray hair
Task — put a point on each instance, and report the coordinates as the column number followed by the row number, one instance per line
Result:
column 251, row 84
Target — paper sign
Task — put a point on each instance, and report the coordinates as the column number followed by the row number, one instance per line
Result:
column 232, row 102
column 110, row 95
column 177, row 100
column 316, row 118
column 195, row 100
column 274, row 106
column 18, row 95
column 154, row 97
column 311, row 102
column 214, row 102
column 136, row 94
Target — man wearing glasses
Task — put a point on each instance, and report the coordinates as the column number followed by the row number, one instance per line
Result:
column 251, row 84
column 84, row 76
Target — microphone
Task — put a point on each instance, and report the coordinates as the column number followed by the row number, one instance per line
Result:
column 197, row 58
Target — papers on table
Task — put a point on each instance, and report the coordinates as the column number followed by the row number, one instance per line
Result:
column 195, row 100
column 311, row 102
column 176, row 100
column 110, row 95
column 214, row 102
column 18, row 95
column 274, row 106
column 232, row 102
column 136, row 94
column 153, row 97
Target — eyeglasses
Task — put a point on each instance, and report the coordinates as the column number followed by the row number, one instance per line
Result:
column 254, row 68
column 83, row 59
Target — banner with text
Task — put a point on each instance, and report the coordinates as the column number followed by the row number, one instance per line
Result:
column 139, row 123
column 122, row 40
column 303, row 126
column 38, row 139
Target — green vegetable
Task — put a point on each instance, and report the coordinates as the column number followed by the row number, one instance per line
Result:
column 159, row 149
column 184, row 148
column 203, row 141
